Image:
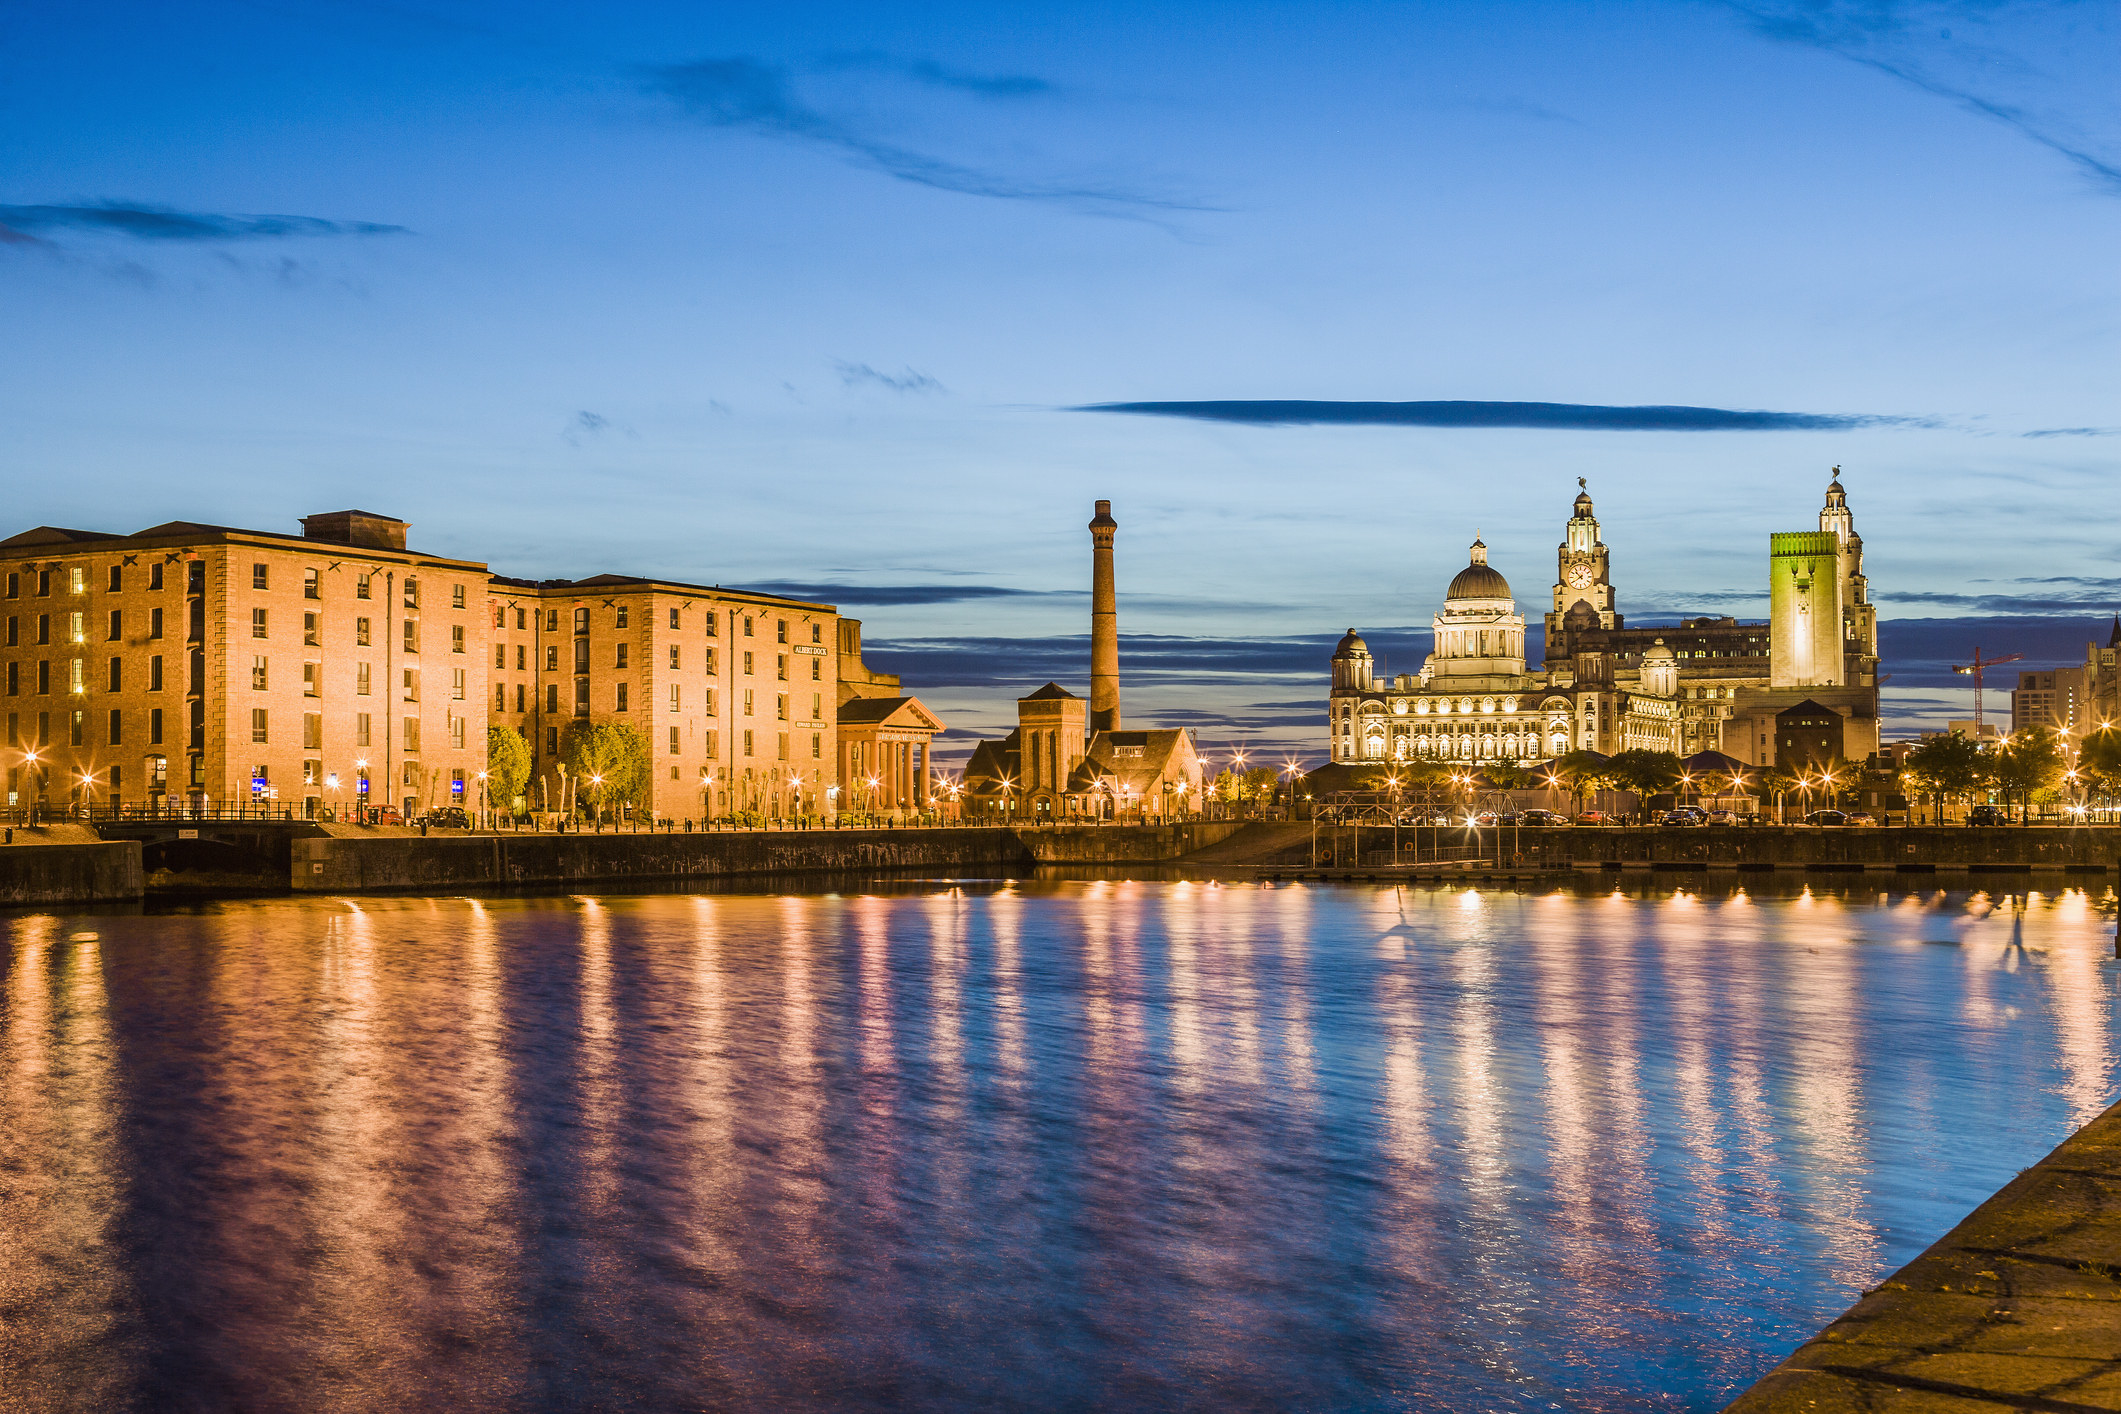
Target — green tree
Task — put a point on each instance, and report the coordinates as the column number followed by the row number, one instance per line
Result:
column 1945, row 767
column 2099, row 762
column 1644, row 772
column 1504, row 775
column 1584, row 772
column 610, row 762
column 1776, row 782
column 507, row 767
column 2025, row 762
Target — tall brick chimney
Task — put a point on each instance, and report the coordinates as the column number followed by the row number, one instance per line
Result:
column 1104, row 624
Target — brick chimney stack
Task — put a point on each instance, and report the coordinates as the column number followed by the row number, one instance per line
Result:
column 1104, row 624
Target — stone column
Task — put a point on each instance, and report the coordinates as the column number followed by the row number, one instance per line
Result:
column 1104, row 624
column 923, row 797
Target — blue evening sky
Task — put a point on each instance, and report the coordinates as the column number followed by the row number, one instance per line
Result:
column 808, row 296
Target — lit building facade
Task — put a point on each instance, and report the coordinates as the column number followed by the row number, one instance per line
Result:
column 1708, row 683
column 224, row 667
column 736, row 693
column 203, row 666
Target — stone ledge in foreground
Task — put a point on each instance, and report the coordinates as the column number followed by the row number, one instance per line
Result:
column 2016, row 1308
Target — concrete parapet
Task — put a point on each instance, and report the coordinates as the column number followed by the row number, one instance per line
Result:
column 71, row 873
column 2018, row 1307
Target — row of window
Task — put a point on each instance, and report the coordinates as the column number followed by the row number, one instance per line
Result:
column 620, row 620
column 260, row 678
column 313, row 775
column 313, row 674
column 364, row 585
column 77, row 676
column 76, row 725
column 313, row 730
column 312, row 632
column 76, row 581
column 75, row 627
column 622, row 700
column 622, row 658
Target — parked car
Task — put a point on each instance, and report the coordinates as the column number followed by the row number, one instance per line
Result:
column 1721, row 817
column 1862, row 817
column 449, row 817
column 1686, row 815
column 1988, row 815
column 1543, row 819
column 1828, row 817
column 1594, row 817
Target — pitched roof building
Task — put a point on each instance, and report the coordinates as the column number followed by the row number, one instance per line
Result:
column 1069, row 759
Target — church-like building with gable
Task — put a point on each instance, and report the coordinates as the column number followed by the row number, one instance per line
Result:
column 1705, row 684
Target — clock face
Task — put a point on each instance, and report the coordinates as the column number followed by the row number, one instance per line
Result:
column 1579, row 576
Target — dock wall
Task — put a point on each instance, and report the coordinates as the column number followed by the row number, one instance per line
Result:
column 401, row 864
column 32, row 874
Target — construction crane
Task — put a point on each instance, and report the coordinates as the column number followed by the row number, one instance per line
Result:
column 1974, row 669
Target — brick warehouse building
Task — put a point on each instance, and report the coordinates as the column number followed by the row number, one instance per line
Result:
column 739, row 694
column 203, row 663
column 191, row 661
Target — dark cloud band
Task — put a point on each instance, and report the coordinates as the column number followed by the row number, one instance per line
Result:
column 1581, row 417
column 155, row 223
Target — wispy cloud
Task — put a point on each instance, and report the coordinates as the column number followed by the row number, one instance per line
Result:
column 132, row 221
column 2073, row 432
column 1879, row 34
column 585, row 424
column 1546, row 416
column 745, row 95
column 935, row 75
column 2040, row 604
column 910, row 381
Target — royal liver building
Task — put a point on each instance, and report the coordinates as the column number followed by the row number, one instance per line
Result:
column 1710, row 683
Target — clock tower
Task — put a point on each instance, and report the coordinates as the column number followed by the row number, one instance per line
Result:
column 1583, row 586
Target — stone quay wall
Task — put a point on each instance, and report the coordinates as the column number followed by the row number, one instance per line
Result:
column 438, row 863
column 33, row 874
column 2018, row 1307
column 2087, row 848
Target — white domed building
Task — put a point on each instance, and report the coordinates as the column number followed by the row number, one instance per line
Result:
column 1706, row 683
column 1472, row 702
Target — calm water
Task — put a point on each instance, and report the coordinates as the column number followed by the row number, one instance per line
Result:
column 1006, row 1146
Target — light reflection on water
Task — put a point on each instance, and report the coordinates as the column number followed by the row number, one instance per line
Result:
column 1029, row 1144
